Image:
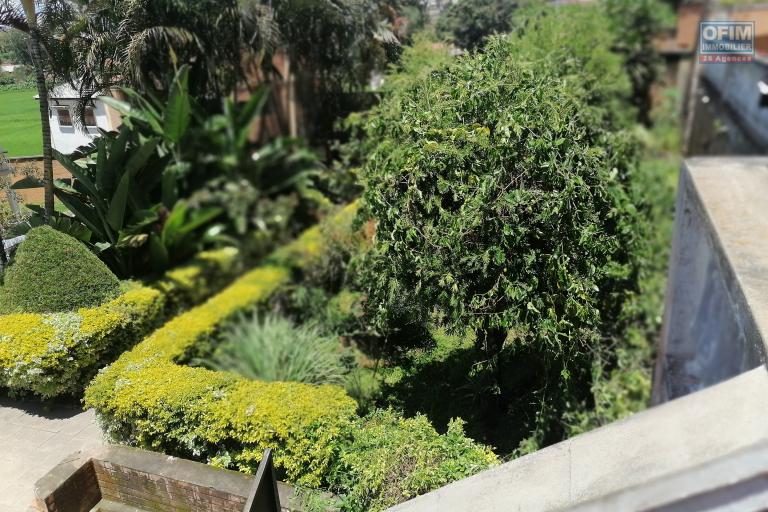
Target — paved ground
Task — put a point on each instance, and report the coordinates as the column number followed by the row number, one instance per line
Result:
column 34, row 438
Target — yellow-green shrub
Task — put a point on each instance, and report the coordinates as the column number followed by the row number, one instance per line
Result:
column 58, row 353
column 55, row 354
column 147, row 399
column 205, row 275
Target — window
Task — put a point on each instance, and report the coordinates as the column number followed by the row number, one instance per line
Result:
column 65, row 117
column 90, row 117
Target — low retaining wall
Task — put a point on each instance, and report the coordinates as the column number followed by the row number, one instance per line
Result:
column 34, row 165
column 147, row 481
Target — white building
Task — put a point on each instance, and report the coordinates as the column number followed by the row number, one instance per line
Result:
column 66, row 133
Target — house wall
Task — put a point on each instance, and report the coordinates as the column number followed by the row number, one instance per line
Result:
column 688, row 18
column 34, row 166
column 67, row 139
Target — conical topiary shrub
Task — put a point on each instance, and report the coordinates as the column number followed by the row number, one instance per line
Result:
column 53, row 272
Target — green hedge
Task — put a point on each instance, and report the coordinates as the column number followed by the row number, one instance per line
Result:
column 57, row 354
column 147, row 399
column 52, row 272
column 389, row 459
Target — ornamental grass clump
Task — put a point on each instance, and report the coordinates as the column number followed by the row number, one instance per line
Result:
column 273, row 349
column 52, row 272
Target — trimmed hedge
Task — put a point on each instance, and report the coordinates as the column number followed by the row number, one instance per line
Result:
column 52, row 272
column 147, row 399
column 57, row 354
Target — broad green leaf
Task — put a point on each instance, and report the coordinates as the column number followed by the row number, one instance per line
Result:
column 178, row 110
column 116, row 213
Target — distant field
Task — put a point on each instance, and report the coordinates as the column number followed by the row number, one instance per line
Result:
column 20, row 123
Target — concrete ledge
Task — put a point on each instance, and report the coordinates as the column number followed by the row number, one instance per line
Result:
column 738, row 481
column 716, row 314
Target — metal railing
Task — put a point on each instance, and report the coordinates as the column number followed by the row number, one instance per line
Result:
column 264, row 496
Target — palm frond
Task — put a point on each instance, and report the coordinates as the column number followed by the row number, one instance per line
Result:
column 12, row 16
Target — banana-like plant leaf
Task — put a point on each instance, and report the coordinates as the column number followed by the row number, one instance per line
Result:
column 79, row 174
column 85, row 213
column 140, row 220
column 132, row 241
column 252, row 107
column 140, row 157
column 169, row 188
column 178, row 110
column 116, row 212
column 71, row 227
column 158, row 253
column 65, row 187
column 117, row 150
column 36, row 209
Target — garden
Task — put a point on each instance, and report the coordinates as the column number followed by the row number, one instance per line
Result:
column 392, row 288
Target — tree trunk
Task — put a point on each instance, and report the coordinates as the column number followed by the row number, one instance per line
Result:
column 3, row 256
column 42, row 92
column 491, row 340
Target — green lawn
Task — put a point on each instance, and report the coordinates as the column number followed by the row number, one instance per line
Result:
column 20, row 123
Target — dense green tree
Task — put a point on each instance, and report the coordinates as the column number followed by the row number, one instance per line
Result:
column 469, row 23
column 14, row 47
column 502, row 189
column 331, row 49
column 100, row 44
column 635, row 24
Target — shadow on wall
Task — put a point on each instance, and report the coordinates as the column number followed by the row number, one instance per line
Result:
column 27, row 166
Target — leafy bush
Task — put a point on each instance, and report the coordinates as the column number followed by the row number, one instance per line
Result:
column 146, row 399
column 273, row 349
column 53, row 272
column 635, row 25
column 503, row 203
column 390, row 459
column 57, row 354
column 174, row 179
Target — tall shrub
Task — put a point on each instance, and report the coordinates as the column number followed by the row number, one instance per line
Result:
column 502, row 192
column 469, row 23
column 634, row 25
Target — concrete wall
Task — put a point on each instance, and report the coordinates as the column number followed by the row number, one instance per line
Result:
column 716, row 299
column 657, row 444
column 67, row 139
